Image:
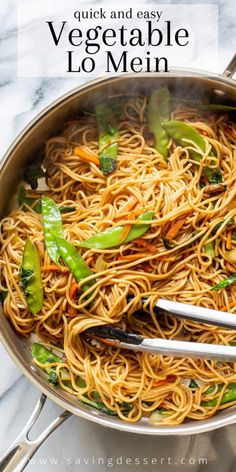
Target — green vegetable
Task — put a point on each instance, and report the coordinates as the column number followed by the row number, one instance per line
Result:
column 116, row 105
column 99, row 405
column 31, row 279
column 168, row 244
column 108, row 136
column 37, row 206
column 162, row 411
column 232, row 343
column 28, row 201
column 205, row 106
column 34, row 172
column 159, row 415
column 66, row 209
column 218, row 225
column 52, row 223
column 74, row 261
column 193, row 384
column 3, row 296
column 26, row 276
column 228, row 396
column 52, row 376
column 45, row 356
column 80, row 382
column 224, row 283
column 185, row 135
column 158, row 112
column 217, row 107
column 209, row 249
column 112, row 236
column 216, row 177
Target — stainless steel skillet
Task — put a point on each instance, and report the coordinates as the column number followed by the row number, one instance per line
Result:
column 28, row 143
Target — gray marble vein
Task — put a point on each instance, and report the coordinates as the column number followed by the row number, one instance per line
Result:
column 78, row 440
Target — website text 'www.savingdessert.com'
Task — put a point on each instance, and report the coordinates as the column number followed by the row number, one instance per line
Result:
column 119, row 461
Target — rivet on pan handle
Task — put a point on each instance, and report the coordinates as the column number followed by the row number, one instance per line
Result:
column 231, row 67
column 22, row 449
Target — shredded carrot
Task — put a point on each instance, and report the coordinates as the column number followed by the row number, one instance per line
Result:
column 165, row 258
column 231, row 305
column 144, row 243
column 230, row 267
column 126, row 208
column 72, row 293
column 174, row 229
column 127, row 228
column 54, row 268
column 229, row 240
column 72, row 313
column 109, row 342
column 169, row 378
column 126, row 215
column 125, row 232
column 86, row 156
column 89, row 260
column 147, row 267
column 133, row 257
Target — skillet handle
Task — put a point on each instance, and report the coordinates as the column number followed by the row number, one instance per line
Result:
column 231, row 67
column 22, row 449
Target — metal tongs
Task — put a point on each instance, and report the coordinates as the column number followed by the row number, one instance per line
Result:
column 120, row 338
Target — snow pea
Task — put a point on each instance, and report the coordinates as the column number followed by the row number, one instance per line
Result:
column 225, row 283
column 184, row 134
column 229, row 395
column 112, row 236
column 74, row 261
column 108, row 136
column 31, row 279
column 52, row 222
column 158, row 112
column 44, row 355
column 217, row 107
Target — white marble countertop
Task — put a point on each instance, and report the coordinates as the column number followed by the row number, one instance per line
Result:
column 84, row 442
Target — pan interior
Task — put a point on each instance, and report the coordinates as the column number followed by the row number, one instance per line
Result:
column 30, row 142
